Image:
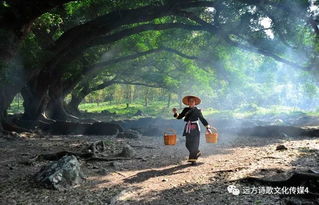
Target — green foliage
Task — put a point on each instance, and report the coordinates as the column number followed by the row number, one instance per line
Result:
column 225, row 76
column 16, row 105
column 310, row 89
column 159, row 109
column 156, row 109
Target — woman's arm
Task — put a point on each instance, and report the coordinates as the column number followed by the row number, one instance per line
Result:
column 202, row 119
column 181, row 115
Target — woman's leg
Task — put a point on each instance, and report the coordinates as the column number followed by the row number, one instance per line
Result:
column 192, row 144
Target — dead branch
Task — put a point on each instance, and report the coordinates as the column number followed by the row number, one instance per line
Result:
column 108, row 159
column 58, row 155
column 229, row 170
column 141, row 146
column 84, row 156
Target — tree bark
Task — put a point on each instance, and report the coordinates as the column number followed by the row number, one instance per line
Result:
column 35, row 101
column 16, row 21
column 74, row 41
column 169, row 100
column 6, row 96
column 180, row 100
column 78, row 95
column 73, row 106
column 146, row 97
column 5, row 101
column 9, row 88
column 81, row 92
column 55, row 109
column 9, row 46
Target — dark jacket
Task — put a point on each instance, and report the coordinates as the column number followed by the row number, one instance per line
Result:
column 191, row 114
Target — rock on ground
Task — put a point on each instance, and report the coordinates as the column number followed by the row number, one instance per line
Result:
column 127, row 151
column 61, row 174
column 132, row 134
column 281, row 147
column 139, row 113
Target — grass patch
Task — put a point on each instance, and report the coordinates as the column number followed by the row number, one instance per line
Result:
column 160, row 109
column 157, row 109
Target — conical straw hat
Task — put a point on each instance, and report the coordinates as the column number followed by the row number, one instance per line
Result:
column 185, row 99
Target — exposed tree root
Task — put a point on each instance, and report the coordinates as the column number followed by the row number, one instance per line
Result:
column 142, row 146
column 94, row 153
column 11, row 127
column 44, row 118
column 84, row 156
column 229, row 170
column 58, row 155
column 111, row 158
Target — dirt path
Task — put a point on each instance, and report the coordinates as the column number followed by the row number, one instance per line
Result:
column 162, row 176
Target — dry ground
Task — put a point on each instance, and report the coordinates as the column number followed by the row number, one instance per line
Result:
column 161, row 176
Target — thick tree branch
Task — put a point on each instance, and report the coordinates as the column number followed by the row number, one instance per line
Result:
column 85, row 33
column 96, row 67
column 125, row 33
column 225, row 36
column 112, row 82
column 265, row 53
column 314, row 26
column 90, row 72
column 179, row 53
column 22, row 12
column 138, row 83
column 141, row 28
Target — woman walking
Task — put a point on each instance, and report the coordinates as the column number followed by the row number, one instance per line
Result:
column 192, row 128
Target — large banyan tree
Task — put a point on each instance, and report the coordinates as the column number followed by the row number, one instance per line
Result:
column 50, row 49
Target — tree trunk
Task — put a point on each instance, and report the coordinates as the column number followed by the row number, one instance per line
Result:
column 180, row 100
column 169, row 100
column 6, row 95
column 9, row 46
column 1, row 128
column 35, row 102
column 131, row 94
column 55, row 109
column 146, row 97
column 10, row 86
column 80, row 93
column 73, row 106
column 146, row 101
column 4, row 104
column 77, row 97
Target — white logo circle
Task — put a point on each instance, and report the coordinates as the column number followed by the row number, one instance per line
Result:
column 233, row 190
